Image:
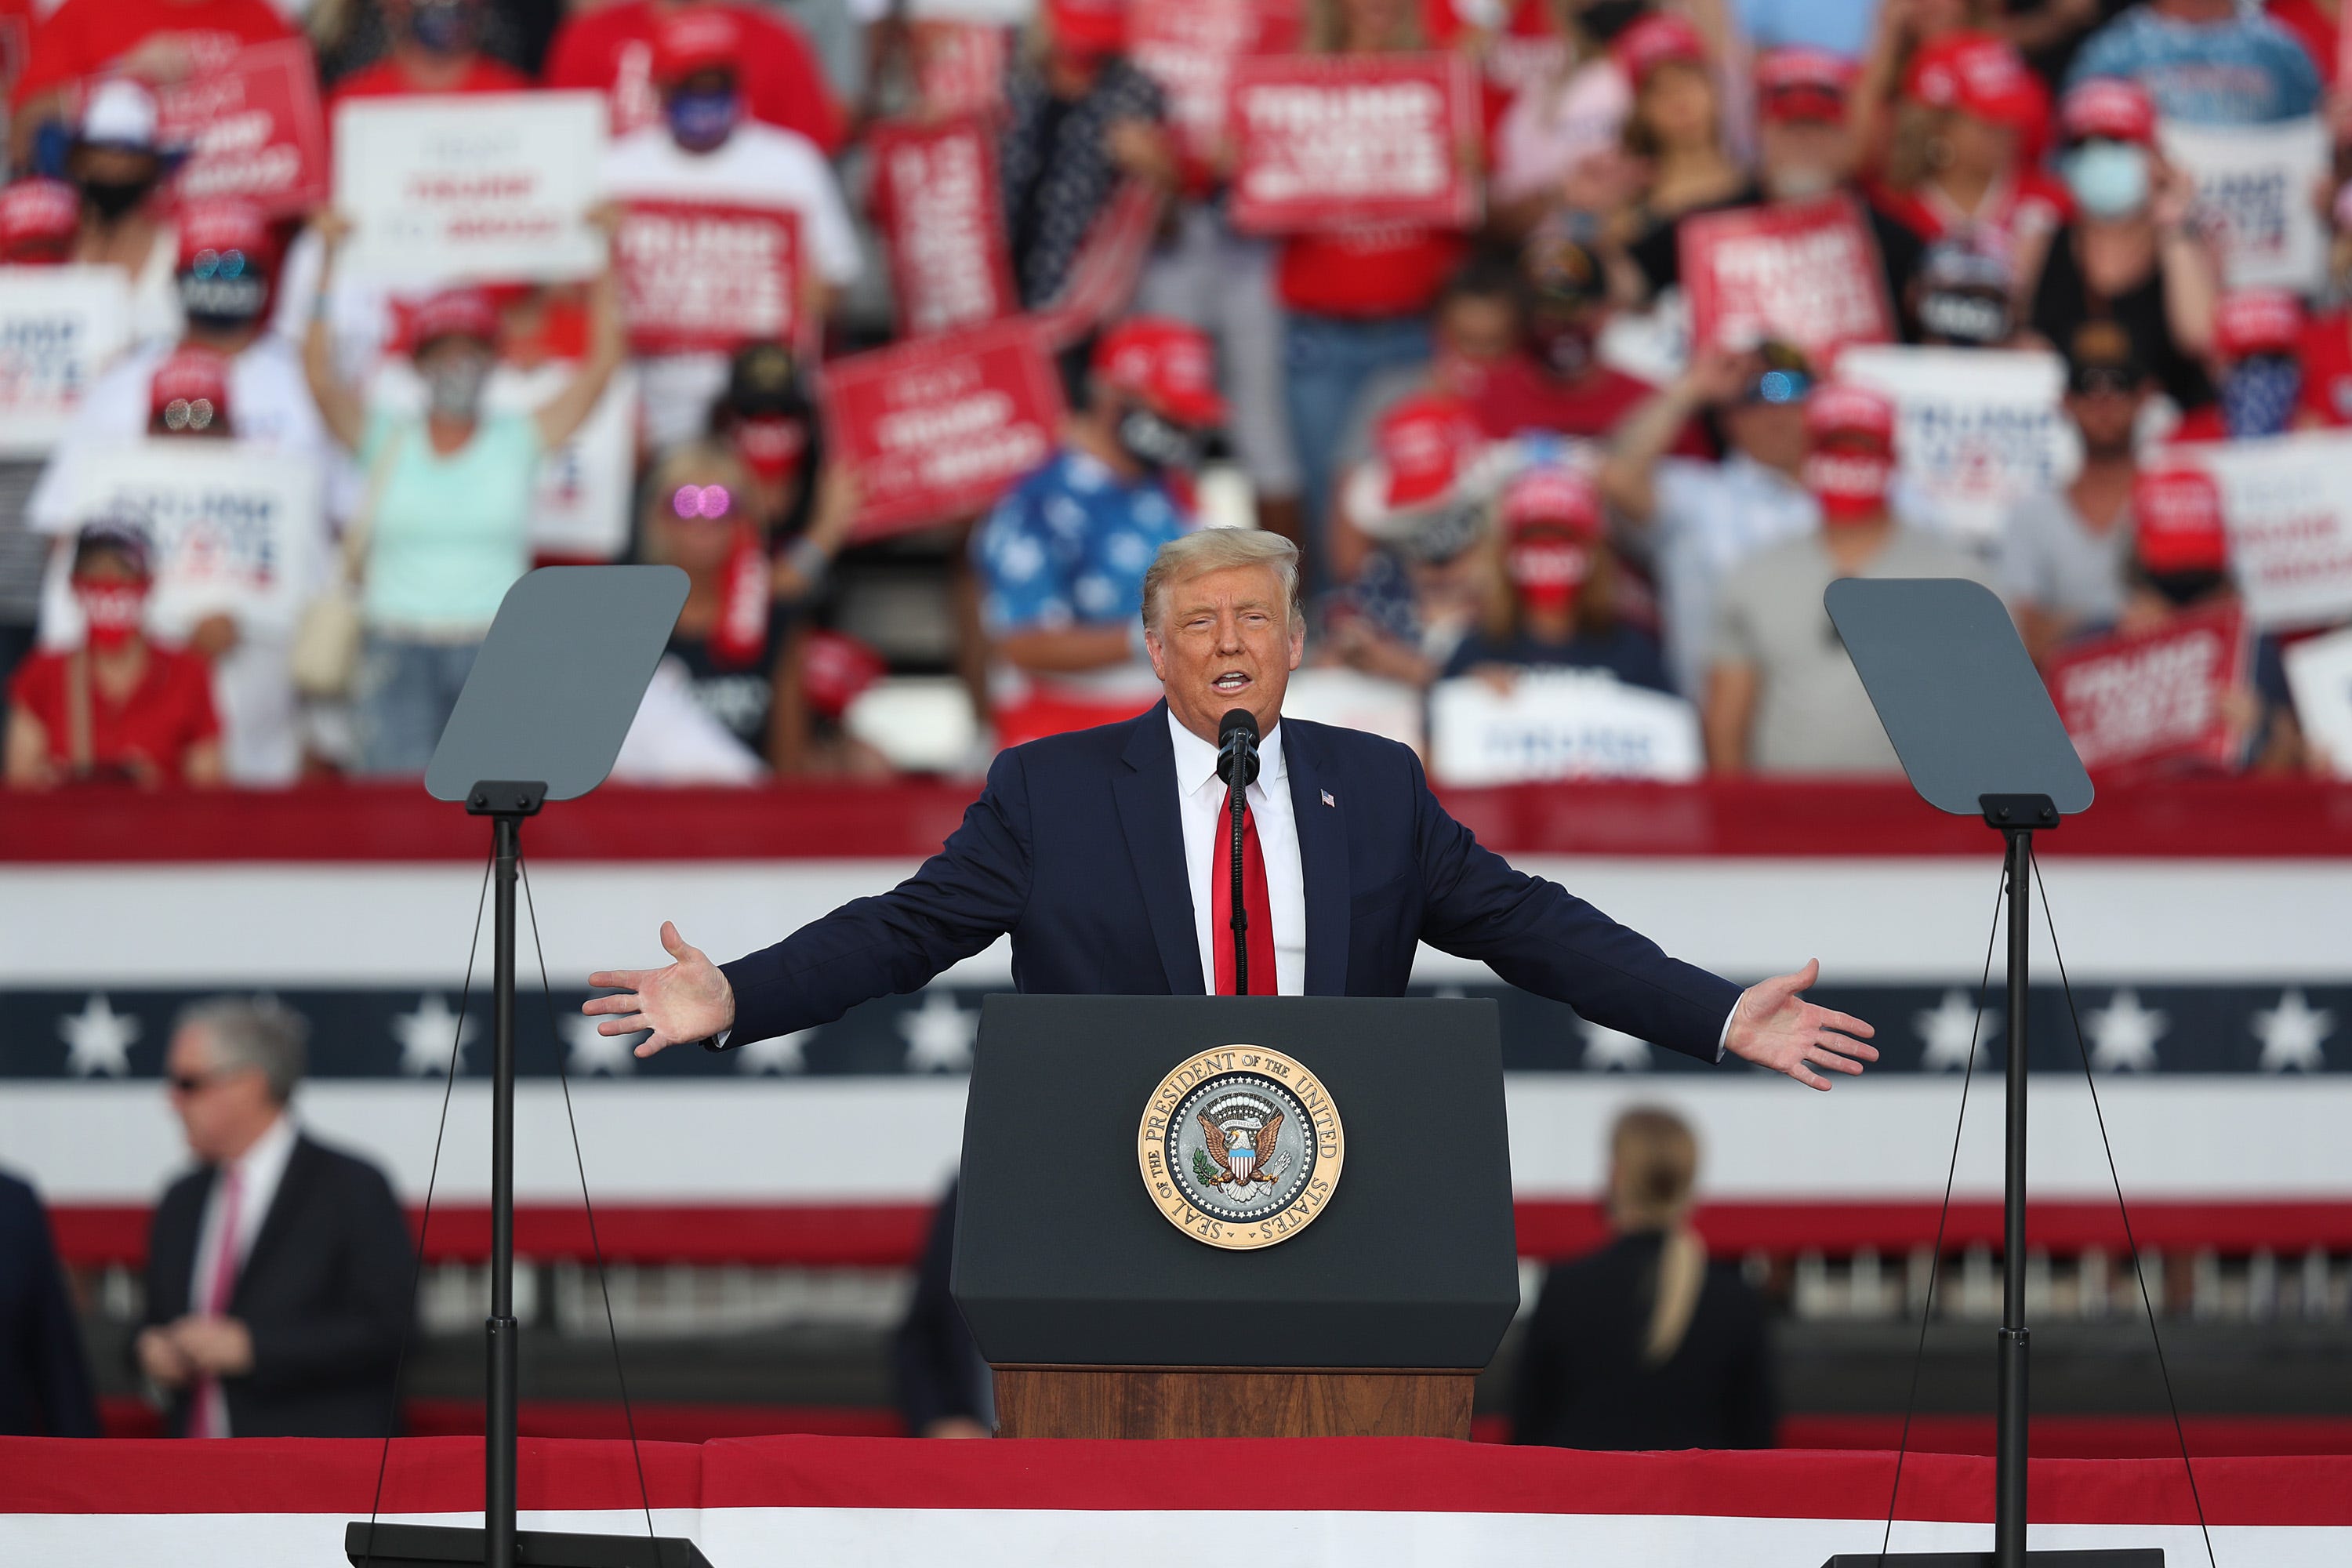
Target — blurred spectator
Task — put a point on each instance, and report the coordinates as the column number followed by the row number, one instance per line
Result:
column 357, row 39
column 154, row 41
column 45, row 1388
column 1699, row 520
column 944, row 1389
column 1553, row 603
column 766, row 419
column 448, row 508
column 1645, row 1345
column 1964, row 297
column 1475, row 332
column 705, row 149
column 1676, row 133
column 39, row 221
column 117, row 168
column 2204, row 62
column 1782, row 696
column 1079, row 118
column 2326, row 356
column 1960, row 163
column 2131, row 253
column 613, row 49
column 1570, row 118
column 279, row 1275
column 1556, row 382
column 2258, row 341
column 2317, row 25
column 2061, row 556
column 119, row 707
column 432, row 47
column 1062, row 557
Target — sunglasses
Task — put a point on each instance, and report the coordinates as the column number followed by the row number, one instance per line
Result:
column 217, row 263
column 1780, row 386
column 692, row 501
column 192, row 1082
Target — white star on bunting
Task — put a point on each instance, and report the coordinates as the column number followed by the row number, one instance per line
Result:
column 591, row 1053
column 2291, row 1033
column 1945, row 1031
column 940, row 1035
column 2123, row 1034
column 98, row 1039
column 1605, row 1049
column 424, row 1034
column 780, row 1054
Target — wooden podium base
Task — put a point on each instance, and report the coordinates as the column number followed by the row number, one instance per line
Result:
column 1232, row 1402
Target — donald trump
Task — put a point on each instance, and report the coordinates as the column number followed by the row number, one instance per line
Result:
column 1106, row 853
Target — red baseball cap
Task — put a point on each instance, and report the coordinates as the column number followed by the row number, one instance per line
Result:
column 2258, row 322
column 1089, row 26
column 189, row 391
column 1552, row 497
column 1659, row 38
column 1842, row 408
column 2110, row 108
column 1422, row 444
column 222, row 226
column 1166, row 363
column 1979, row 75
column 1802, row 84
column 37, row 216
column 697, row 39
column 2177, row 521
column 454, row 313
column 836, row 666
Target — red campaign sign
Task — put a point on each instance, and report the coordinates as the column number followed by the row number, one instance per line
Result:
column 936, row 200
column 958, row 67
column 2155, row 696
column 1189, row 48
column 253, row 130
column 936, row 430
column 697, row 278
column 1802, row 273
column 1343, row 141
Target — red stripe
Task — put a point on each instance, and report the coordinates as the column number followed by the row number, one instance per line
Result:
column 433, row 1475
column 2082, row 1437
column 2281, row 820
column 883, row 1236
column 657, row 1421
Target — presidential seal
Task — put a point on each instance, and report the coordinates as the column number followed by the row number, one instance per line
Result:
column 1239, row 1147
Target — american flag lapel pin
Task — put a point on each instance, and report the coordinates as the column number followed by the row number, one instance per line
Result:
column 1327, row 797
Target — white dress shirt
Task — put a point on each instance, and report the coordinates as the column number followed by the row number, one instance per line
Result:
column 1208, row 851
column 259, row 1168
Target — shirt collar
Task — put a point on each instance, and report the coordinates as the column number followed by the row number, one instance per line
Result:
column 265, row 1161
column 1196, row 760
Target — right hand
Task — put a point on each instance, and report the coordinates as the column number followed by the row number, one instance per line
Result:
column 690, row 1000
column 162, row 1359
column 1717, row 375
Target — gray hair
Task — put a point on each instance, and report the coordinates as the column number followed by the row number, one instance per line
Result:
column 259, row 1032
column 1208, row 550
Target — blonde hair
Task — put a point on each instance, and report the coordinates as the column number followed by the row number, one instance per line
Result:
column 1195, row 555
column 1653, row 1165
column 699, row 463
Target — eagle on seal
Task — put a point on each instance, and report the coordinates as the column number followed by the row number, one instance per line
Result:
column 1239, row 1151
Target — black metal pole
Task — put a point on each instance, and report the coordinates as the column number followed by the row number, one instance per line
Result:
column 2009, row 1473
column 498, row 1415
column 1240, row 921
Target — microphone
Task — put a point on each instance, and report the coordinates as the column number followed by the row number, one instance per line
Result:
column 1237, row 749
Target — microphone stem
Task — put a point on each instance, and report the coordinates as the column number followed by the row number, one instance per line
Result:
column 1240, row 921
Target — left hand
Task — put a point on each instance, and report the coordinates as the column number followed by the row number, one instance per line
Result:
column 220, row 1346
column 1772, row 1029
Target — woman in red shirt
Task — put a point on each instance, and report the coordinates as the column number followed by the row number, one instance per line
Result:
column 117, row 707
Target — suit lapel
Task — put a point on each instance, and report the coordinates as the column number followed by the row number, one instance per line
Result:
column 1145, row 795
column 1322, row 861
column 291, row 1182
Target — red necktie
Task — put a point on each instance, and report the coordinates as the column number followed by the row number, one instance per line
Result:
column 1254, row 900
column 210, row 1417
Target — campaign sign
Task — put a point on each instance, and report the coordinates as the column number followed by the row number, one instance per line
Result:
column 2153, row 696
column 1802, row 273
column 1342, row 141
column 1189, row 47
column 936, row 430
column 707, row 279
column 59, row 327
column 1978, row 429
column 1558, row 724
column 487, row 185
column 2254, row 189
column 942, row 213
column 2320, row 674
column 252, row 131
column 1100, row 283
column 2287, row 500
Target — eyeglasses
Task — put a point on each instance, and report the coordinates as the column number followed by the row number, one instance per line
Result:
column 188, row 414
column 690, row 501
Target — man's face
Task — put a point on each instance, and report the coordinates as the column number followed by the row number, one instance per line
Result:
column 2106, row 415
column 1800, row 158
column 1771, row 433
column 1226, row 639
column 222, row 1110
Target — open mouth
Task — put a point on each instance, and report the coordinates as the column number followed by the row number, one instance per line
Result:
column 1231, row 684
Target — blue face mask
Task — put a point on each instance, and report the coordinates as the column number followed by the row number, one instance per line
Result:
column 2259, row 396
column 2109, row 179
column 701, row 120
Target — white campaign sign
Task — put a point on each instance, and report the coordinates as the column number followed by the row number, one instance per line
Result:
column 2319, row 673
column 1978, row 429
column 2288, row 503
column 489, row 186
column 59, row 327
column 1558, row 724
column 1354, row 701
column 2254, row 186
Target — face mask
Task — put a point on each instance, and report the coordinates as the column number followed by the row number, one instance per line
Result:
column 2259, row 396
column 113, row 611
column 2108, row 179
column 771, row 447
column 701, row 120
column 1155, row 443
column 1546, row 573
column 1962, row 318
column 1801, row 182
column 112, row 198
column 220, row 302
column 1851, row 486
column 1565, row 347
column 1604, row 19
column 444, row 28
column 2182, row 589
column 453, row 384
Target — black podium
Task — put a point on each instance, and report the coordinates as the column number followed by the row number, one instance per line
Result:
column 1105, row 1315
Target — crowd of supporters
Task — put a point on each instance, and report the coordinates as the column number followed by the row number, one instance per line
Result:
column 1502, row 445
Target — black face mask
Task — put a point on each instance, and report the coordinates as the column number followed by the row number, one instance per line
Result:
column 1155, row 443
column 1604, row 19
column 2182, row 589
column 1564, row 347
column 1964, row 316
column 222, row 304
column 111, row 199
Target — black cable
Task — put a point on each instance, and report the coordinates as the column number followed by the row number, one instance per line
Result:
column 1936, row 1257
column 425, row 1222
column 620, row 1375
column 2180, row 1433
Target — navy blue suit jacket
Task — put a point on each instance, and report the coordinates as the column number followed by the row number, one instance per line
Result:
column 45, row 1387
column 1076, row 848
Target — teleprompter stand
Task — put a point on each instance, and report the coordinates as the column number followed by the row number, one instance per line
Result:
column 541, row 718
column 1978, row 736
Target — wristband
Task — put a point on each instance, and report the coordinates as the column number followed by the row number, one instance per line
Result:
column 808, row 561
